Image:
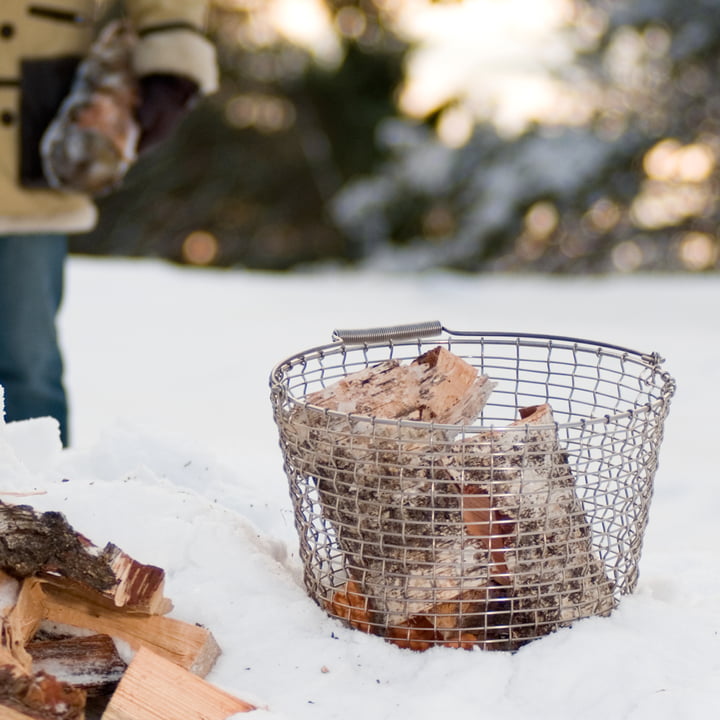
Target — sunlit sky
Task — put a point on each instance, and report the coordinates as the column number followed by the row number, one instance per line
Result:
column 495, row 55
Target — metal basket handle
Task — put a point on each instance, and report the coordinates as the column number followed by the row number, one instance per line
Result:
column 411, row 331
column 390, row 332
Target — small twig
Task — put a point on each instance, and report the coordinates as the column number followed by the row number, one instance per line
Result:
column 9, row 493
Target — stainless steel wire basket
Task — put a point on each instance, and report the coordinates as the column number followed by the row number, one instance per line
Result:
column 487, row 533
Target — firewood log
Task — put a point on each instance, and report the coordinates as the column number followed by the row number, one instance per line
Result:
column 394, row 508
column 88, row 662
column 39, row 696
column 188, row 645
column 92, row 142
column 153, row 687
column 45, row 545
column 436, row 387
column 519, row 499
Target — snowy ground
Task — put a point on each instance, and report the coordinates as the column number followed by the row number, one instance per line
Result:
column 175, row 459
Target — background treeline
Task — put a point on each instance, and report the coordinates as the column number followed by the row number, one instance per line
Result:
column 300, row 159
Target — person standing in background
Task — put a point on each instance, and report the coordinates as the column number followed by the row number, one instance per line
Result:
column 41, row 46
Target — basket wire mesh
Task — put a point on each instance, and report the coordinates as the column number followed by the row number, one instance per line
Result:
column 488, row 534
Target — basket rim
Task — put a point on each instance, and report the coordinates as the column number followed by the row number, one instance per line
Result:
column 652, row 361
column 471, row 430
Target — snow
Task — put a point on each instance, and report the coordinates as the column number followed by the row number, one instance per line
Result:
column 175, row 459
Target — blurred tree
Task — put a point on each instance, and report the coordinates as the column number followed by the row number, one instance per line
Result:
column 633, row 186
column 314, row 150
column 249, row 177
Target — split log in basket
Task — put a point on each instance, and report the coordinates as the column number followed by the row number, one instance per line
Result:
column 449, row 536
column 64, row 606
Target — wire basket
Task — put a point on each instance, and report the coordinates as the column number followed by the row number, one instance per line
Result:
column 489, row 533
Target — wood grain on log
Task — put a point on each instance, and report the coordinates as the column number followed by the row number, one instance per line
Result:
column 188, row 645
column 19, row 622
column 153, row 687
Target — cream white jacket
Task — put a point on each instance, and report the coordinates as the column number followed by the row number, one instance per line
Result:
column 41, row 43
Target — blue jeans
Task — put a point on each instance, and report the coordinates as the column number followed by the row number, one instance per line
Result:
column 31, row 368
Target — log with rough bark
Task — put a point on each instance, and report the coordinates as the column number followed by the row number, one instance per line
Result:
column 519, row 499
column 153, row 687
column 395, row 510
column 88, row 662
column 45, row 545
column 63, row 605
column 38, row 695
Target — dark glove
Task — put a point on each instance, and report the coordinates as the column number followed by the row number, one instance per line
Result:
column 164, row 101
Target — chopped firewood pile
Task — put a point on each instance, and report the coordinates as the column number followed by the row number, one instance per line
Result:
column 66, row 606
column 447, row 536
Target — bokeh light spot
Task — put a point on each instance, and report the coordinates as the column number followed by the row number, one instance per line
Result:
column 351, row 22
column 697, row 251
column 455, row 127
column 265, row 113
column 200, row 248
column 627, row 256
column 541, row 220
column 604, row 215
column 670, row 161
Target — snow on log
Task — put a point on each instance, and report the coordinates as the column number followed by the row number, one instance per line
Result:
column 90, row 662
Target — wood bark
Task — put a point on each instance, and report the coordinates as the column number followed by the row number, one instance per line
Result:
column 153, row 687
column 46, row 545
column 519, row 499
column 394, row 508
column 39, row 696
column 88, row 662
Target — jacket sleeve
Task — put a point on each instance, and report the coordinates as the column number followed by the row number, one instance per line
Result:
column 172, row 40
